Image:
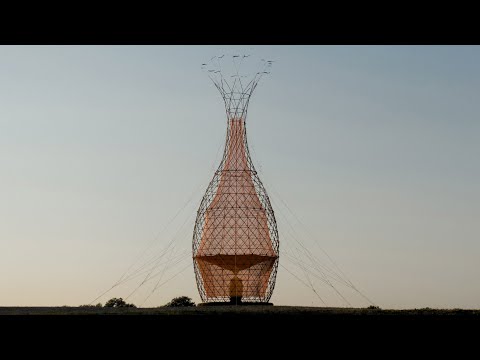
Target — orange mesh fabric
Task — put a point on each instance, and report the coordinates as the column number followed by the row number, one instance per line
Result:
column 235, row 221
column 252, row 281
column 234, row 255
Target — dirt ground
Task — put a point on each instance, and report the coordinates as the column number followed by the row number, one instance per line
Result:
column 248, row 311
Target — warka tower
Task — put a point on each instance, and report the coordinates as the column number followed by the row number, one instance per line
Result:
column 235, row 238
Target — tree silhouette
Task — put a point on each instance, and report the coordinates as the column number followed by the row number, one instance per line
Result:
column 114, row 302
column 181, row 301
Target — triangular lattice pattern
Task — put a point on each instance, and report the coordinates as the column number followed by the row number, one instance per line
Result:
column 235, row 241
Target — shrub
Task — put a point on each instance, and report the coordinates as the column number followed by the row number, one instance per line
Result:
column 181, row 301
column 114, row 302
column 99, row 305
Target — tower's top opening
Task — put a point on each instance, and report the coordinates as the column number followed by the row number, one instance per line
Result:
column 236, row 76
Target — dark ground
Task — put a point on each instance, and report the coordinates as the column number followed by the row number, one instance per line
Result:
column 258, row 311
column 296, row 312
column 270, row 329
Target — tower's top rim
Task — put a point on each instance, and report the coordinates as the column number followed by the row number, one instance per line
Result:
column 236, row 77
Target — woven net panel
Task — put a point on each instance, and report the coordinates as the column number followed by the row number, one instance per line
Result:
column 234, row 251
column 250, row 280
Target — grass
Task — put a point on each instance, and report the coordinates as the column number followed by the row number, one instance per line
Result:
column 231, row 310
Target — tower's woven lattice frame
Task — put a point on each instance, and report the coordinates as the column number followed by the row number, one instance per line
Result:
column 235, row 239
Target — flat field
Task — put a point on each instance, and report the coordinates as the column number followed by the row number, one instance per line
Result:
column 246, row 311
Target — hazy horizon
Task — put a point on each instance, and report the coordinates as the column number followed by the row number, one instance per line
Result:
column 374, row 149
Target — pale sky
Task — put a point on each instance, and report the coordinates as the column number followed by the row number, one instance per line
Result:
column 373, row 148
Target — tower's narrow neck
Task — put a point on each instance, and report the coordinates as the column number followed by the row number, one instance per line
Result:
column 236, row 101
column 236, row 152
column 236, row 111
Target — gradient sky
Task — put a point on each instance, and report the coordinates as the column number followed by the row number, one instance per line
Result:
column 374, row 148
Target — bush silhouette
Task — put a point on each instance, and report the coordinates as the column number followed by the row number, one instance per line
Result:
column 91, row 306
column 114, row 302
column 181, row 301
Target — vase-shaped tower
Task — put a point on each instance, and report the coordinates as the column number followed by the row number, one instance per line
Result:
column 235, row 240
